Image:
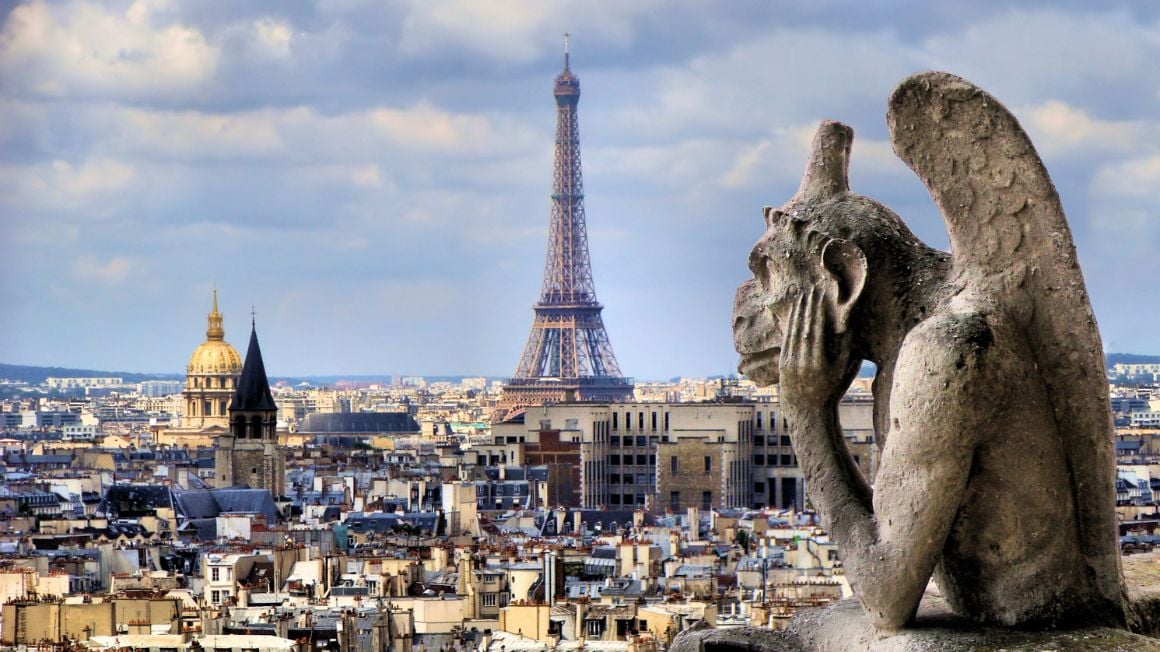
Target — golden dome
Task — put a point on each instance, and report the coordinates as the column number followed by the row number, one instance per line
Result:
column 215, row 356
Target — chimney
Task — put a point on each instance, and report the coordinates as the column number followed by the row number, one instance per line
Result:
column 550, row 578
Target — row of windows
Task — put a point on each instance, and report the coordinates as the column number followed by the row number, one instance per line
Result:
column 629, row 460
column 640, row 420
column 207, row 409
column 628, row 478
column 208, row 383
column 772, row 421
column 253, row 429
column 626, row 499
column 640, row 441
column 774, row 460
column 774, row 440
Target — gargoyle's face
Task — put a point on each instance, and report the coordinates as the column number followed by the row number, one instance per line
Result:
column 762, row 304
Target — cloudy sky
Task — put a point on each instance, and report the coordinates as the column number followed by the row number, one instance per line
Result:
column 373, row 176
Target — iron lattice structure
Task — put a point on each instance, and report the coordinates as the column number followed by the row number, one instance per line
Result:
column 568, row 355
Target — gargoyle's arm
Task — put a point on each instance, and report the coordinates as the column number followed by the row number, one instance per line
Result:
column 891, row 542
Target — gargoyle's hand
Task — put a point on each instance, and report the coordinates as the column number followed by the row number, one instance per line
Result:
column 815, row 361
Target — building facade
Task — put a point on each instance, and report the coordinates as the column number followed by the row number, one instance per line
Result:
column 679, row 455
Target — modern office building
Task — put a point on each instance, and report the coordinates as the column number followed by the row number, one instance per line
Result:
column 679, row 455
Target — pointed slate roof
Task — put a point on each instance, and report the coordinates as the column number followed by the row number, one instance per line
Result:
column 253, row 392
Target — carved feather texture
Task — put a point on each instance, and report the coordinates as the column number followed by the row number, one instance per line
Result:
column 1010, row 238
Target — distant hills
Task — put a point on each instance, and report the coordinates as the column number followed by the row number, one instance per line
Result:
column 1131, row 358
column 37, row 375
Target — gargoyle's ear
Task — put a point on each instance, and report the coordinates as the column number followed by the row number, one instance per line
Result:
column 845, row 267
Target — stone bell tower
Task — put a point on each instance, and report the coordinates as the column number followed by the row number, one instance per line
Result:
column 248, row 455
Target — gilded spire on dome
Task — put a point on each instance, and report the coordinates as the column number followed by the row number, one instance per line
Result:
column 215, row 331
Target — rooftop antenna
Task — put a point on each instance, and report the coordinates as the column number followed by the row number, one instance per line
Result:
column 565, row 50
column 253, row 317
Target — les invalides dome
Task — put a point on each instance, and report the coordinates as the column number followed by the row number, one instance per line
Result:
column 211, row 376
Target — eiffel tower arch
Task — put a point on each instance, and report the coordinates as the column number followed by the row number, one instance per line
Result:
column 568, row 356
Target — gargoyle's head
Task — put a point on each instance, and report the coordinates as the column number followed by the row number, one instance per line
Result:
column 822, row 237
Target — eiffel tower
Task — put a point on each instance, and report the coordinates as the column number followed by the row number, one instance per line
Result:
column 568, row 356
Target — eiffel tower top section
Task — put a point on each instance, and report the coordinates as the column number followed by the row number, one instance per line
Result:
column 567, row 90
column 567, row 270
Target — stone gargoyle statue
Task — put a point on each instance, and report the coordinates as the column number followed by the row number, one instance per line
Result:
column 990, row 400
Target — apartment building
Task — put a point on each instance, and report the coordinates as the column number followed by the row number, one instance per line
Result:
column 677, row 455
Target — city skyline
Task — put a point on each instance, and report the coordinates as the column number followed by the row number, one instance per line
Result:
column 375, row 179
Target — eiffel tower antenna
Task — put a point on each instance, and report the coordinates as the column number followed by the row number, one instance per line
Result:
column 568, row 355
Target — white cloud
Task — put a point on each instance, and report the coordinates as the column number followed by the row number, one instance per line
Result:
column 273, row 37
column 781, row 154
column 368, row 176
column 786, row 77
column 303, row 135
column 1024, row 55
column 111, row 272
column 194, row 135
column 689, row 165
column 62, row 185
column 142, row 11
column 426, row 126
column 498, row 28
column 1125, row 214
column 84, row 49
column 518, row 30
column 745, row 165
column 1135, row 178
column 1056, row 127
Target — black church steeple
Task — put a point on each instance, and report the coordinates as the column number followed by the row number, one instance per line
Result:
column 253, row 413
column 253, row 391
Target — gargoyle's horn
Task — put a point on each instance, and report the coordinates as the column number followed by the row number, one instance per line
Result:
column 828, row 169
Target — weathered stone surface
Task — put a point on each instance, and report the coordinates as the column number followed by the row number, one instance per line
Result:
column 1142, row 579
column 997, row 469
column 844, row 627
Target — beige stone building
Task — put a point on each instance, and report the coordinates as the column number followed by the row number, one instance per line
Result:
column 27, row 622
column 679, row 455
column 778, row 481
column 528, row 619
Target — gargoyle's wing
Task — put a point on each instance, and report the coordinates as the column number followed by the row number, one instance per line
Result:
column 1009, row 236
